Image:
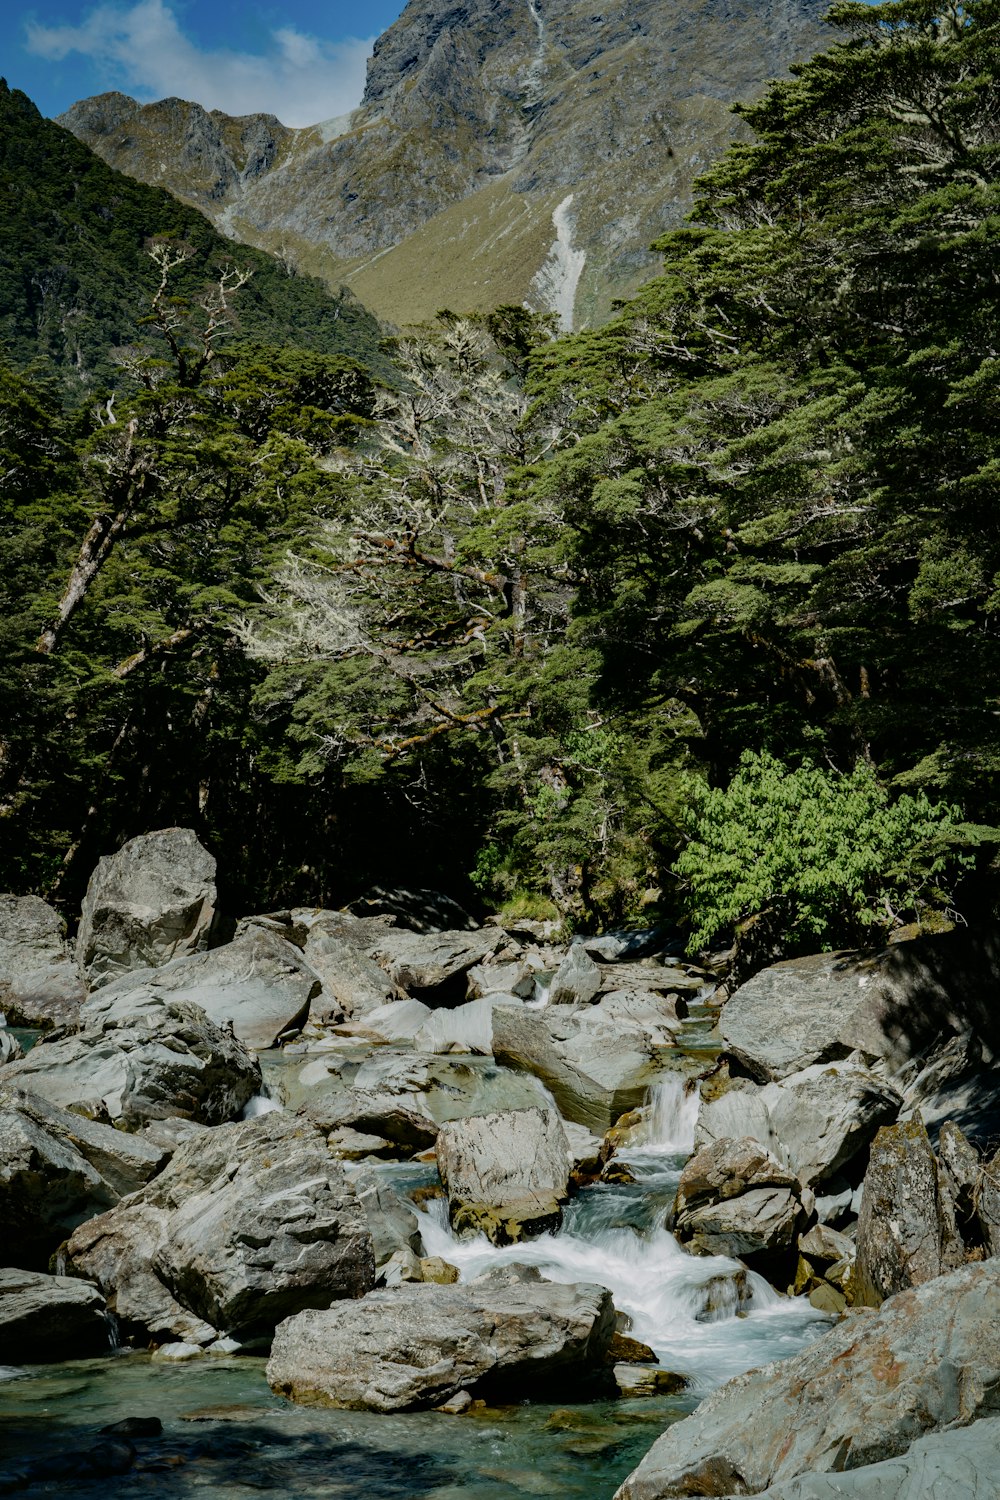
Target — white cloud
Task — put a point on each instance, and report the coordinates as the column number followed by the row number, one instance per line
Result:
column 141, row 49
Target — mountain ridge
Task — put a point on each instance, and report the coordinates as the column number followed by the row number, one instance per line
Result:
column 477, row 122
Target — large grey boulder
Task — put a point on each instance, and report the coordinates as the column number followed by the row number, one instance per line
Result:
column 417, row 1346
column 816, row 1121
column 577, row 979
column 40, row 984
column 757, row 1226
column 506, row 1175
column 398, row 1118
column 956, row 1465
column 57, row 1170
column 928, row 1359
column 152, row 901
column 725, row 1169
column 166, row 1059
column 432, row 966
column 246, row 1225
column 594, row 1072
column 353, row 984
column 258, row 983
column 906, row 1235
column 910, row 1005
column 50, row 1317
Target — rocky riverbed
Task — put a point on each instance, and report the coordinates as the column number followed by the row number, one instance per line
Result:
column 385, row 1200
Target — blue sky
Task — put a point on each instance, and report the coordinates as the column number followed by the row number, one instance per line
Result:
column 303, row 60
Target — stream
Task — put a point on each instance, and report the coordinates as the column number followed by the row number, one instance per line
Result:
column 225, row 1434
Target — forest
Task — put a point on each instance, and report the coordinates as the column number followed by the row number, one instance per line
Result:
column 691, row 617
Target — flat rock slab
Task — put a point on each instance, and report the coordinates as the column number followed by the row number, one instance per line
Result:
column 416, row 1346
column 50, row 1317
column 927, row 1360
column 259, row 983
column 152, row 901
column 40, row 984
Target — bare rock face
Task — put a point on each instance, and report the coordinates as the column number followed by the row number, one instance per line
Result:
column 577, row 979
column 127, row 1069
column 432, row 966
column 57, row 1170
column 862, row 1394
column 905, row 1236
column 152, row 901
column 40, row 985
column 246, row 1225
column 50, row 1317
column 416, row 1346
column 506, row 1175
column 258, row 983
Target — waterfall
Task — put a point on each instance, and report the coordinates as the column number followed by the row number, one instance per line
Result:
column 555, row 284
column 673, row 1114
column 260, row 1104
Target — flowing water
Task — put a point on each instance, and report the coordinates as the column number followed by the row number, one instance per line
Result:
column 225, row 1434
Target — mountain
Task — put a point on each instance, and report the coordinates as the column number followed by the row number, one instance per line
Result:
column 75, row 278
column 505, row 150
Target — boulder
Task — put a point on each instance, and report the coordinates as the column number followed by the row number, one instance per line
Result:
column 245, row 1226
column 501, row 979
column 577, row 979
column 467, row 1028
column 399, row 1021
column 417, row 1346
column 392, row 1220
column 152, row 901
column 10, row 1047
column 57, row 1170
column 988, row 1206
column 816, row 1121
column 904, row 1234
column 724, row 1170
column 394, row 1117
column 758, row 1226
column 258, row 983
column 875, row 1383
column 432, row 966
column 50, row 1317
column 595, row 1073
column 40, row 984
column 353, row 984
column 506, row 1175
column 907, row 1005
column 956, row 1465
column 168, row 1059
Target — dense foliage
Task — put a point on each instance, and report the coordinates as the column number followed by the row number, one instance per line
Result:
column 693, row 613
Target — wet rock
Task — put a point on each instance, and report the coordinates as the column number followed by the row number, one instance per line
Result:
column 258, row 984
column 151, row 902
column 244, row 1226
column 127, row 1069
column 647, row 1380
column 441, row 1272
column 134, row 1427
column 901, row 1238
column 50, row 1317
column 759, row 1227
column 40, row 984
column 432, row 966
column 57, row 1170
column 928, row 1359
column 418, row 1346
column 625, row 1350
column 506, row 1175
column 815, row 1121
column 577, row 979
column 726, row 1169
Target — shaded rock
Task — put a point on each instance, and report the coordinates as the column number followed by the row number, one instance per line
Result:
column 432, row 966
column 506, row 1175
column 258, row 983
column 625, row 1350
column 929, row 1359
column 629, row 945
column 40, row 984
column 418, row 1346
column 901, row 1228
column 56, row 1170
column 959, row 1183
column 758, row 1226
column 151, row 902
column 816, row 1121
column 726, row 1169
column 825, row 1246
column 577, row 979
column 50, row 1317
column 245, row 1225
column 416, row 910
column 957, row 1465
column 988, row 1205
column 10, row 1047
column 167, row 1059
column 391, row 1218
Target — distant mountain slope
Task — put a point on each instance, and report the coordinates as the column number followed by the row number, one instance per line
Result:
column 505, row 150
column 75, row 277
